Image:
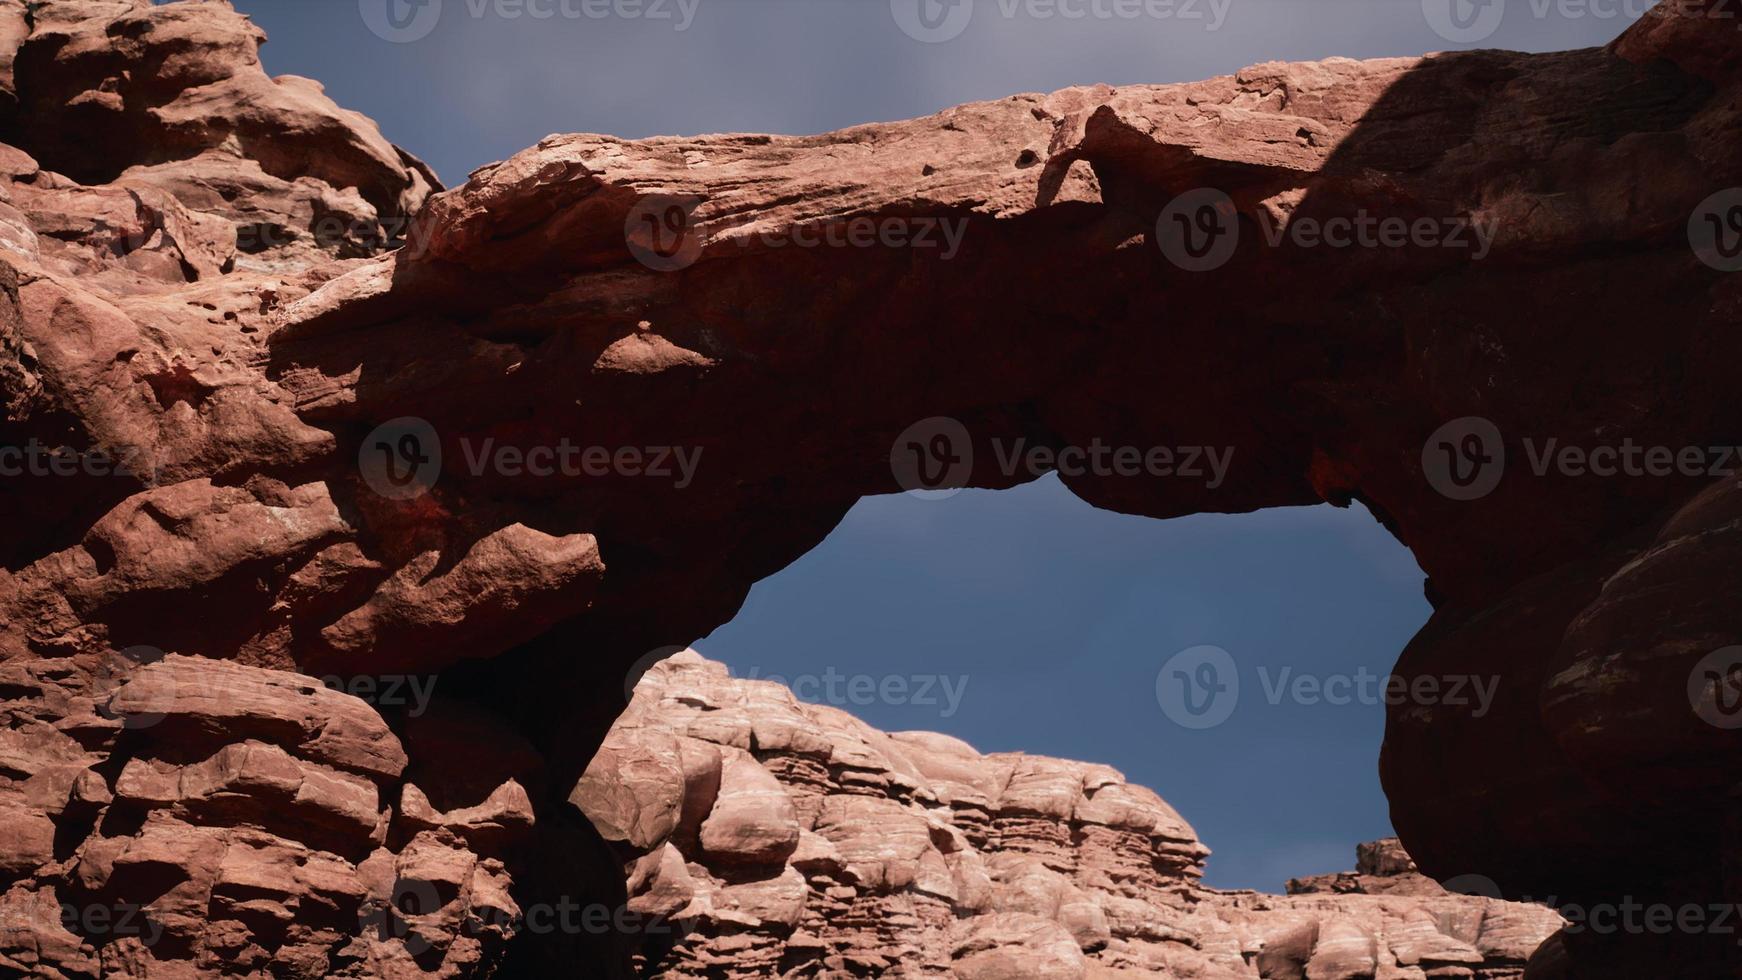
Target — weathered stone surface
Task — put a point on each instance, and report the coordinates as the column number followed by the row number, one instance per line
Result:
column 26, row 836
column 753, row 821
column 104, row 85
column 202, row 331
column 215, row 699
column 1062, row 869
column 1382, row 867
column 506, row 814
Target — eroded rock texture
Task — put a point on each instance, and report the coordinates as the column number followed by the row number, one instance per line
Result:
column 202, row 337
column 164, row 814
column 770, row 837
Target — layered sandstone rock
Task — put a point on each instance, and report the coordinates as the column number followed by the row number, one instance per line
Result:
column 770, row 837
column 204, row 815
column 1382, row 867
column 205, row 351
column 169, row 815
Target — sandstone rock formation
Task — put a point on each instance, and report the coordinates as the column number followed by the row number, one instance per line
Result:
column 1382, row 867
column 224, row 400
column 770, row 837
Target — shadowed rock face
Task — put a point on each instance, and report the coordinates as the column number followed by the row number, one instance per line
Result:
column 195, row 294
column 769, row 837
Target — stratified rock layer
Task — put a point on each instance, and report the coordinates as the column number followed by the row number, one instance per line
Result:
column 769, row 837
column 212, row 375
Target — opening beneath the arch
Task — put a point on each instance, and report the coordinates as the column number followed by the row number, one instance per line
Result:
column 1026, row 620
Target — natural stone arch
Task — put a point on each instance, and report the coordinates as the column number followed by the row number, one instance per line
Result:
column 1059, row 321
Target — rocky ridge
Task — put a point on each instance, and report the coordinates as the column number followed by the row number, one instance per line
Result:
column 770, row 837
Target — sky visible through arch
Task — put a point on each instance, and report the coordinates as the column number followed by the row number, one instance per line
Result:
column 1046, row 623
column 1042, row 622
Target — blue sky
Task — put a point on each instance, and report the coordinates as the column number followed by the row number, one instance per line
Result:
column 1050, row 621
column 1041, row 622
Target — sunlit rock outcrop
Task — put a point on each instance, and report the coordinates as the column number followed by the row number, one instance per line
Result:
column 765, row 836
